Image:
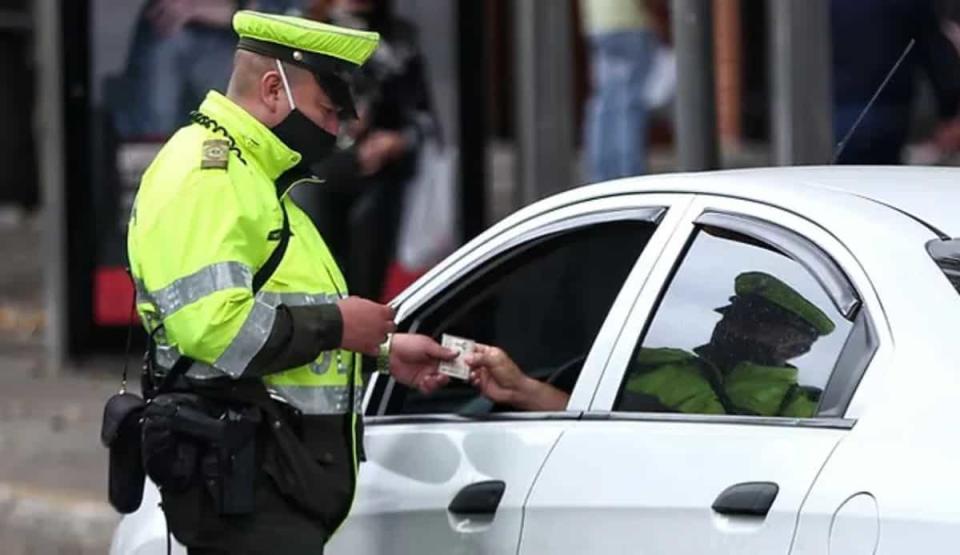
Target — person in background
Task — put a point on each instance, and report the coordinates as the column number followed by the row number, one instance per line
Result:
column 180, row 50
column 360, row 215
column 868, row 38
column 943, row 145
column 622, row 43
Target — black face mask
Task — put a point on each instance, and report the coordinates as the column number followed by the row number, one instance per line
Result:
column 313, row 143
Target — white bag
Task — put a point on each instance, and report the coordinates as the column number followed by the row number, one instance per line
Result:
column 661, row 84
column 428, row 225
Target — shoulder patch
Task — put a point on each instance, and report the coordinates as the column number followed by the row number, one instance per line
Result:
column 215, row 154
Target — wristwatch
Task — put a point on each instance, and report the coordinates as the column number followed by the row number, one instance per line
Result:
column 383, row 357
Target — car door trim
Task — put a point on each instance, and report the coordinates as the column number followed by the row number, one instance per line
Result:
column 833, row 280
column 855, row 357
column 475, row 254
column 829, row 423
column 385, row 420
column 652, row 215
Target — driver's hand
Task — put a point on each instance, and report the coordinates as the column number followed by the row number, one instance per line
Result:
column 499, row 379
column 495, row 374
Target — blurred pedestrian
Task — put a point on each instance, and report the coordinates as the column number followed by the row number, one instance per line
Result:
column 180, row 50
column 868, row 38
column 360, row 217
column 622, row 45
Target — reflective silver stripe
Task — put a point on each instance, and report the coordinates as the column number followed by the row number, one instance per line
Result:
column 252, row 334
column 249, row 340
column 319, row 399
column 142, row 295
column 206, row 281
column 203, row 371
column 298, row 299
column 167, row 356
column 255, row 330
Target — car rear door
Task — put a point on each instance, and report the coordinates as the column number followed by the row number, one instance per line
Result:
column 626, row 480
column 448, row 473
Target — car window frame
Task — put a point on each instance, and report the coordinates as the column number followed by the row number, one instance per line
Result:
column 841, row 389
column 666, row 210
column 827, row 273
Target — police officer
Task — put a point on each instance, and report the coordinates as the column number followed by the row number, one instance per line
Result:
column 744, row 368
column 238, row 291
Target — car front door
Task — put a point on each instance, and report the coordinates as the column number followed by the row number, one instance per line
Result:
column 639, row 475
column 449, row 472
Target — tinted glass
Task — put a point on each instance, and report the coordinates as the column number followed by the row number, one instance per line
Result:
column 742, row 329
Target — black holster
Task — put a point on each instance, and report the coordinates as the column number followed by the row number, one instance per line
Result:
column 189, row 440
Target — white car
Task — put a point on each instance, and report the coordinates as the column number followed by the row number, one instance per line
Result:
column 574, row 285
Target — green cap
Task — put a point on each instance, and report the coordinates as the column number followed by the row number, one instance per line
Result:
column 775, row 291
column 331, row 53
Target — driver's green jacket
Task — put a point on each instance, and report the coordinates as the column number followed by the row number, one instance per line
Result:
column 674, row 380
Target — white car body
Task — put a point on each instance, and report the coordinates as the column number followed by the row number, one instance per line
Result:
column 873, row 472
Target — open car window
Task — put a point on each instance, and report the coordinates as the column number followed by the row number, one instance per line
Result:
column 542, row 302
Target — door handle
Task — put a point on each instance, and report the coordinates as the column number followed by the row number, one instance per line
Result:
column 747, row 499
column 480, row 498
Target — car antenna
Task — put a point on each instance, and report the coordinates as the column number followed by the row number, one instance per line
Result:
column 853, row 128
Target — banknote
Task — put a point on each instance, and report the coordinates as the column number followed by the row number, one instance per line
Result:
column 457, row 368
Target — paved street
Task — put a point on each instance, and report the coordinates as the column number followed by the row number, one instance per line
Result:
column 53, row 469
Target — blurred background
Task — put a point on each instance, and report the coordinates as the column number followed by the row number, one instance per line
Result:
column 511, row 101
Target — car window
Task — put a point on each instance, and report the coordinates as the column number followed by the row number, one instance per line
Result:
column 543, row 303
column 741, row 329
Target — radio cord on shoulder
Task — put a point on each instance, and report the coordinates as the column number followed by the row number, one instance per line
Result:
column 204, row 120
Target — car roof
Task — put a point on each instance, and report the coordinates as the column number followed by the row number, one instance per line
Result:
column 930, row 194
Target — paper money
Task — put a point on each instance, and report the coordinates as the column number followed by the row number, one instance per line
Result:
column 457, row 368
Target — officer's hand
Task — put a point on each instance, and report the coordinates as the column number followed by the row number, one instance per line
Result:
column 414, row 360
column 365, row 325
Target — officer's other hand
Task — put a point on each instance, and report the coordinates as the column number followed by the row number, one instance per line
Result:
column 415, row 359
column 365, row 325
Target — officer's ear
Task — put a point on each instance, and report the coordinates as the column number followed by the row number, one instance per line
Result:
column 272, row 94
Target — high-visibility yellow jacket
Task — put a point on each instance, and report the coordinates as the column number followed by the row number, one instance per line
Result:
column 206, row 218
column 203, row 222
